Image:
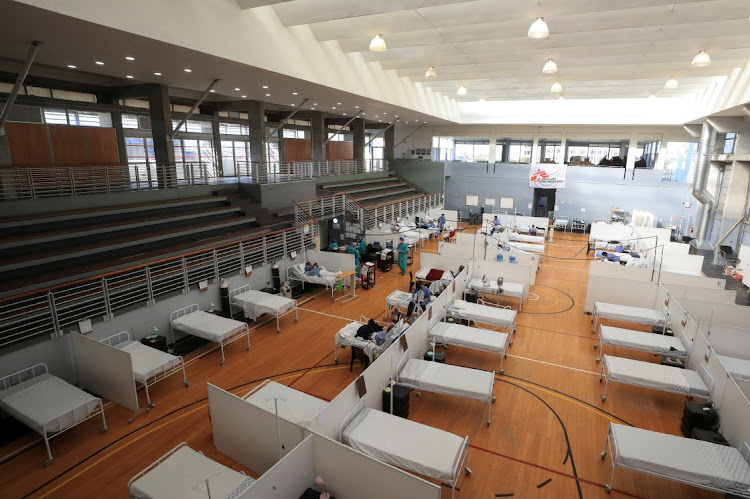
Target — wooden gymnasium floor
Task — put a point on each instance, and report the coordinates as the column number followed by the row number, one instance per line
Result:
column 548, row 425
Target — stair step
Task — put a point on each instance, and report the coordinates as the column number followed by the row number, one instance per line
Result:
column 384, row 195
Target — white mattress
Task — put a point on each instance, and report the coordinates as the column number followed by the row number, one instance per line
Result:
column 486, row 314
column 147, row 361
column 512, row 289
column 702, row 463
column 638, row 340
column 347, row 336
column 328, row 280
column 406, row 444
column 533, row 248
column 737, row 368
column 469, row 337
column 398, row 299
column 37, row 403
column 447, row 379
column 297, row 407
column 515, row 236
column 182, row 476
column 446, row 279
column 656, row 376
column 207, row 326
column 256, row 303
column 646, row 316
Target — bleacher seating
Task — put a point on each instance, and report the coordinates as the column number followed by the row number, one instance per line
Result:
column 374, row 191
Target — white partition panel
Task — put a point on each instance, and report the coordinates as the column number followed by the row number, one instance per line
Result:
column 601, row 231
column 673, row 248
column 105, row 371
column 689, row 264
column 723, row 314
column 451, row 216
column 744, row 387
column 510, row 272
column 416, row 338
column 327, row 422
column 709, row 295
column 734, row 414
column 445, row 263
column 729, row 341
column 288, row 478
column 455, row 250
column 247, row 433
column 332, row 260
column 608, row 283
column 691, row 280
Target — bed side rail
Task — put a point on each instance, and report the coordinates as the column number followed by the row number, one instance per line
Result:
column 154, row 464
column 400, row 365
column 706, row 377
column 490, row 304
column 26, row 374
column 460, row 458
column 358, row 407
column 686, row 342
column 745, row 451
column 116, row 339
column 236, row 291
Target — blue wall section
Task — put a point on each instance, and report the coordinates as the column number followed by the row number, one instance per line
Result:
column 596, row 190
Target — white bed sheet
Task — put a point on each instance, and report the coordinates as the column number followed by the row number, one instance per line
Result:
column 297, row 407
column 182, row 475
column 737, row 368
column 645, row 316
column 638, row 340
column 207, row 326
column 656, row 376
column 447, row 379
column 328, row 280
column 694, row 461
column 147, row 361
column 469, row 337
column 399, row 299
column 485, row 314
column 37, row 403
column 446, row 279
column 406, row 444
column 532, row 248
column 347, row 336
column 256, row 303
column 511, row 289
column 523, row 238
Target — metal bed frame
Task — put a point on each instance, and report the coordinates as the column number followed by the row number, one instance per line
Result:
column 242, row 289
column 503, row 355
column 226, row 339
column 389, row 308
column 156, row 376
column 37, row 370
column 601, row 350
column 664, row 310
column 362, row 320
column 708, row 379
column 291, row 275
column 488, row 291
column 463, row 454
column 510, row 330
column 610, row 446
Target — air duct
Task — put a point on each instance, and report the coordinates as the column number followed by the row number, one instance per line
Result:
column 700, row 191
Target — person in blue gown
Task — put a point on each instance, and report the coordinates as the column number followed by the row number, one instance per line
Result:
column 403, row 249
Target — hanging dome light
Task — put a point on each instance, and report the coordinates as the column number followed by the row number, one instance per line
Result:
column 671, row 84
column 377, row 44
column 462, row 90
column 538, row 29
column 430, row 73
column 556, row 87
column 482, row 99
column 701, row 59
column 550, row 67
column 561, row 98
column 652, row 96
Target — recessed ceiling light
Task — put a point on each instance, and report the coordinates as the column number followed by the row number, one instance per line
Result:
column 538, row 29
column 265, row 86
column 130, row 58
column 380, row 121
column 212, row 91
column 244, row 96
column 188, row 70
column 71, row 66
column 315, row 104
column 384, row 114
column 294, row 93
column 157, row 74
column 236, row 89
column 268, row 95
column 99, row 63
column 338, row 103
column 129, row 76
column 344, row 114
column 377, row 44
column 356, row 107
column 334, row 107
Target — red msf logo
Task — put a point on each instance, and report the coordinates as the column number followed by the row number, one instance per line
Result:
column 539, row 175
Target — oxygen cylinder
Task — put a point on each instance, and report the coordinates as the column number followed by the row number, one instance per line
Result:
column 276, row 277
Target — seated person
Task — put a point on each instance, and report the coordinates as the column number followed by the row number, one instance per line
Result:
column 309, row 266
column 314, row 271
column 496, row 224
column 421, row 297
column 532, row 231
column 460, row 269
column 382, row 335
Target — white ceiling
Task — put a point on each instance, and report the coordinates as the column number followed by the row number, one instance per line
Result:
column 603, row 48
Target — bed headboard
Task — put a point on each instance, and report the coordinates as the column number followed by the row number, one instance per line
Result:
column 116, row 339
column 26, row 374
column 706, row 377
column 236, row 291
column 358, row 407
column 183, row 311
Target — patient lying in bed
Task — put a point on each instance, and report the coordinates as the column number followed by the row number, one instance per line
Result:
column 315, row 270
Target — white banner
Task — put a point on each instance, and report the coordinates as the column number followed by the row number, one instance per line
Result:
column 548, row 176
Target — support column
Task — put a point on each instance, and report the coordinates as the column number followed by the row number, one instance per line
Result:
column 632, row 148
column 534, row 145
column 256, row 112
column 217, row 149
column 358, row 130
column 318, row 136
column 492, row 150
column 563, row 147
column 161, row 129
column 122, row 152
column 389, row 152
column 282, row 150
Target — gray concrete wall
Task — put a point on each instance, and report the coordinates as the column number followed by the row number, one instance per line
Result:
column 280, row 196
column 343, row 178
column 427, row 175
column 594, row 189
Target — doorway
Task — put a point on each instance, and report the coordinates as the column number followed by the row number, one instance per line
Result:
column 544, row 202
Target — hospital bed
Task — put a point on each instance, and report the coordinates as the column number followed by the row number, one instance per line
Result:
column 655, row 343
column 528, row 247
column 737, row 368
column 399, row 300
column 47, row 404
column 656, row 377
column 705, row 465
column 406, row 444
column 446, row 379
column 445, row 277
column 484, row 340
column 328, row 278
column 561, row 223
column 639, row 315
column 193, row 320
column 522, row 238
column 295, row 406
column 486, row 313
column 187, row 474
column 510, row 289
column 347, row 336
column 149, row 364
column 256, row 303
column 624, row 257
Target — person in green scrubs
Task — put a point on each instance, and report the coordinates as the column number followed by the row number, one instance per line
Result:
column 362, row 246
column 403, row 249
column 352, row 249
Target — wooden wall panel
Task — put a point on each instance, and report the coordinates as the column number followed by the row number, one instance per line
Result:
column 29, row 144
column 68, row 145
column 339, row 151
column 102, row 146
column 297, row 150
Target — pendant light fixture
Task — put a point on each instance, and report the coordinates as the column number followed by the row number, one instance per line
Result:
column 550, row 67
column 377, row 44
column 430, row 73
column 701, row 59
column 538, row 29
column 671, row 84
column 462, row 90
column 556, row 87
